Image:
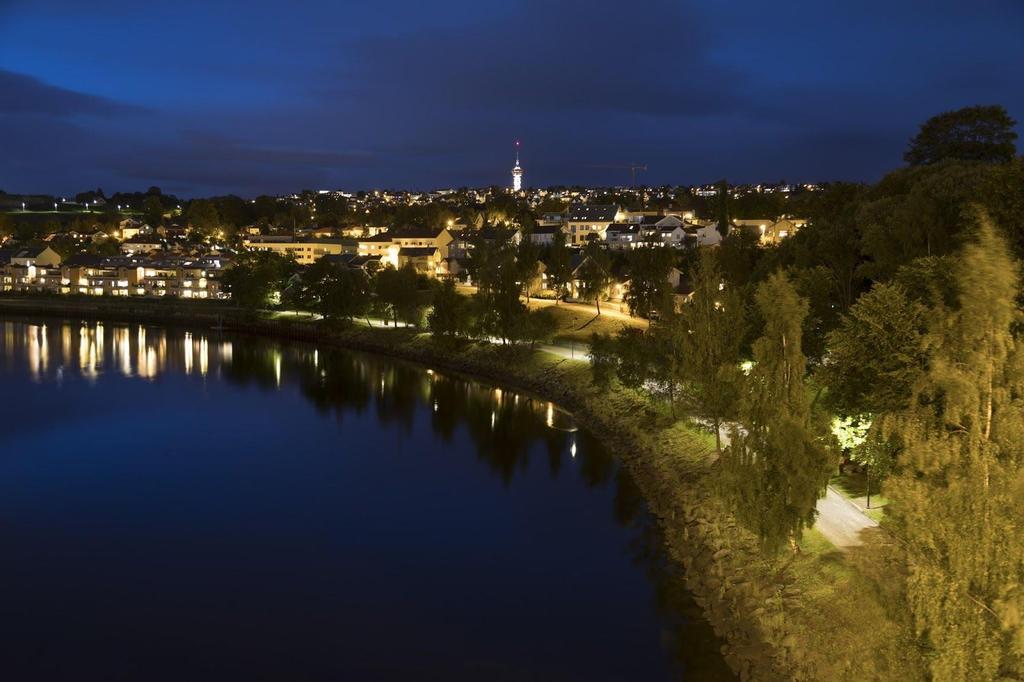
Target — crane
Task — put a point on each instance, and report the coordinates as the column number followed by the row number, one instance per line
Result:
column 632, row 167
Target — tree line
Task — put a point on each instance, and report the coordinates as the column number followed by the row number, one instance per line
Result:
column 886, row 332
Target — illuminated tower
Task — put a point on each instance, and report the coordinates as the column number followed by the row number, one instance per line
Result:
column 517, row 172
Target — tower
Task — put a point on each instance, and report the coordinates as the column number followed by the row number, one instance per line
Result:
column 517, row 172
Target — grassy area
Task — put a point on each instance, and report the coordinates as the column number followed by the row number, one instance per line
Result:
column 853, row 486
column 578, row 322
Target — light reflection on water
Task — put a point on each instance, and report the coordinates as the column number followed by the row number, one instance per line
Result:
column 63, row 350
column 531, row 446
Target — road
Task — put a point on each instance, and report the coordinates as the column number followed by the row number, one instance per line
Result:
column 840, row 521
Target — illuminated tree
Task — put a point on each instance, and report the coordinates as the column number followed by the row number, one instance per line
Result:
column 595, row 274
column 257, row 278
column 877, row 353
column 713, row 321
column 960, row 476
column 397, row 294
column 649, row 289
column 448, row 318
column 559, row 269
column 775, row 469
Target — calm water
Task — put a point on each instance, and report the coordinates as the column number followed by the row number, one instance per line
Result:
column 190, row 506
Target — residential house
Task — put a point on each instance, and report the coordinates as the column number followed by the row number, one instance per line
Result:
column 142, row 245
column 305, row 250
column 426, row 260
column 354, row 261
column 544, row 235
column 584, row 220
column 703, row 234
column 772, row 231
column 415, row 236
column 130, row 228
column 377, row 245
column 620, row 236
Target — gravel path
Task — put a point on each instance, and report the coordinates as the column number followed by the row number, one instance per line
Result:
column 840, row 521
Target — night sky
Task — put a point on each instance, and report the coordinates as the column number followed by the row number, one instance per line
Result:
column 252, row 97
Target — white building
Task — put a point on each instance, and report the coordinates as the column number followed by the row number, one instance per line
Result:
column 517, row 173
column 583, row 220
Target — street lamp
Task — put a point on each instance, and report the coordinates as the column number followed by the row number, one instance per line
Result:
column 23, row 207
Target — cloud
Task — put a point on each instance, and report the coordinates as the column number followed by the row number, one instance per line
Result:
column 426, row 95
column 21, row 94
column 201, row 159
column 543, row 57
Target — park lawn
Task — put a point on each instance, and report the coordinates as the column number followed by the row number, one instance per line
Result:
column 577, row 323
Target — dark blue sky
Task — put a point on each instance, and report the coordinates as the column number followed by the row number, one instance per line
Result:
column 249, row 97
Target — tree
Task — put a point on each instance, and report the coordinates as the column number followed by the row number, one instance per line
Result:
column 448, row 317
column 919, row 211
column 876, row 455
column 595, row 273
column 256, row 277
column 979, row 133
column 723, row 208
column 527, row 260
column 960, row 475
column 775, row 470
column 738, row 257
column 153, row 210
column 202, row 216
column 714, row 323
column 877, row 354
column 559, row 267
column 541, row 325
column 500, row 312
column 603, row 360
column 397, row 293
column 649, row 290
column 344, row 293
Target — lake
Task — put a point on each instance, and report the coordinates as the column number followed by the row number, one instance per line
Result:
column 186, row 505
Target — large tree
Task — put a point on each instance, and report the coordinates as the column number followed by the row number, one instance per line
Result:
column 153, row 210
column 979, row 133
column 713, row 321
column 344, row 294
column 877, row 354
column 448, row 317
column 775, row 469
column 960, row 476
column 649, row 290
column 499, row 310
column 595, row 274
column 257, row 278
column 397, row 294
column 559, row 269
column 203, row 216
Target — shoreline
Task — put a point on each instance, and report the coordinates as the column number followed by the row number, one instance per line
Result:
column 741, row 594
